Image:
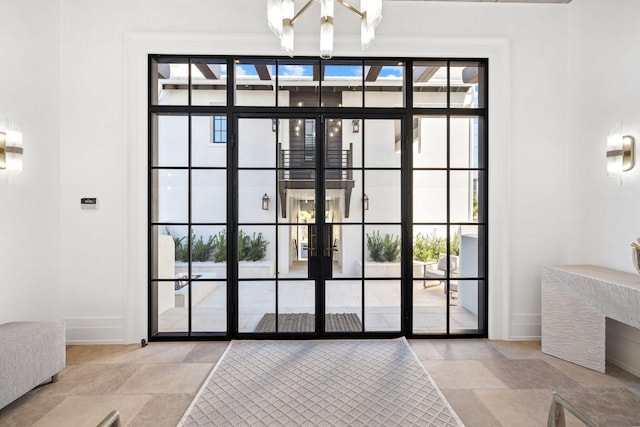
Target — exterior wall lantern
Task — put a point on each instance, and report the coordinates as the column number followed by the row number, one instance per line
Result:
column 365, row 202
column 265, row 202
column 356, row 125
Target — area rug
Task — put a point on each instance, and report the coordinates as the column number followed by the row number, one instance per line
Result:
column 319, row 383
column 306, row 322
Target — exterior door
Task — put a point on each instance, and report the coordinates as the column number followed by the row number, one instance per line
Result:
column 330, row 256
column 317, row 198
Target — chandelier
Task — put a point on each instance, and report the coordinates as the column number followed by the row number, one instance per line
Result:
column 282, row 17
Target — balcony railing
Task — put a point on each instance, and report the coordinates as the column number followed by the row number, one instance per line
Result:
column 299, row 164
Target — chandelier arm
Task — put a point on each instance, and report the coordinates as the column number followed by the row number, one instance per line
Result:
column 305, row 7
column 351, row 8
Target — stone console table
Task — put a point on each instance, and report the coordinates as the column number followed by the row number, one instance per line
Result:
column 576, row 300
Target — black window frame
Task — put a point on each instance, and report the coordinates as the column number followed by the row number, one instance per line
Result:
column 407, row 112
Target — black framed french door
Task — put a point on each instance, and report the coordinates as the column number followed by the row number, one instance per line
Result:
column 310, row 177
column 301, row 197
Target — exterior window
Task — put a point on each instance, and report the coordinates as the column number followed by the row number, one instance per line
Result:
column 219, row 129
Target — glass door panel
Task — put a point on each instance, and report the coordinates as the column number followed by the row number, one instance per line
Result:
column 430, row 266
column 277, row 233
column 463, row 315
column 347, row 251
column 382, row 190
column 257, row 306
column 429, row 307
column 362, row 182
column 382, row 305
column 343, row 306
column 210, row 314
column 342, row 234
column 296, row 306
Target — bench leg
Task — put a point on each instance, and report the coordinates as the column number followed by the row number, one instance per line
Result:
column 54, row 378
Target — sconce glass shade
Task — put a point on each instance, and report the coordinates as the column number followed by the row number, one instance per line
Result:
column 286, row 42
column 373, row 10
column 326, row 28
column 326, row 37
column 356, row 125
column 274, row 16
column 286, row 39
column 265, row 202
column 620, row 154
column 365, row 202
column 11, row 150
column 367, row 33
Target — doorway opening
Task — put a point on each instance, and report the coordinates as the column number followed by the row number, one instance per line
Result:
column 317, row 198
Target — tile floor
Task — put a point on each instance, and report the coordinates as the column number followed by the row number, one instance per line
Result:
column 488, row 383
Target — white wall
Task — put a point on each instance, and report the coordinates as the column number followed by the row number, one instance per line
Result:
column 604, row 84
column 97, row 162
column 29, row 200
column 552, row 100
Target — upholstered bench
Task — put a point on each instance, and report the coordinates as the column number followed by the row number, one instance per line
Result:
column 31, row 353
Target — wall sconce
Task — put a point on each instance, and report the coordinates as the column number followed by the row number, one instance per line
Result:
column 365, row 202
column 265, row 202
column 11, row 150
column 356, row 125
column 620, row 154
column 274, row 125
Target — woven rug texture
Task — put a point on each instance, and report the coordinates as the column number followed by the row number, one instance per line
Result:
column 306, row 322
column 319, row 383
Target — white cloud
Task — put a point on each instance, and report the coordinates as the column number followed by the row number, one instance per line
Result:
column 292, row 70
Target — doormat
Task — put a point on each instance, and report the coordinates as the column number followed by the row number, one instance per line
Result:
column 319, row 383
column 306, row 322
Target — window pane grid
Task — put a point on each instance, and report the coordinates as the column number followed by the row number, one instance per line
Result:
column 462, row 102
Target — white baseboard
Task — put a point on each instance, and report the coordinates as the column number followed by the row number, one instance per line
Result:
column 525, row 327
column 95, row 330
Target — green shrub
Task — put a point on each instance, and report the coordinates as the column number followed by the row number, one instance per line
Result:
column 429, row 247
column 454, row 244
column 383, row 249
column 220, row 247
column 182, row 250
column 201, row 251
column 251, row 248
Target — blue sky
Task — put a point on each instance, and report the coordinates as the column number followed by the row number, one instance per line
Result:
column 330, row 70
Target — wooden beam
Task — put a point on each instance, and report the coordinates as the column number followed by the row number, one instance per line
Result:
column 263, row 71
column 164, row 71
column 209, row 71
column 317, row 72
column 373, row 73
column 426, row 75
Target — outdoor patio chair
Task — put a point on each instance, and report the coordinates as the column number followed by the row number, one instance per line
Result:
column 440, row 273
column 440, row 270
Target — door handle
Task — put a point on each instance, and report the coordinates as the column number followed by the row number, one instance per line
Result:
column 313, row 241
column 328, row 246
